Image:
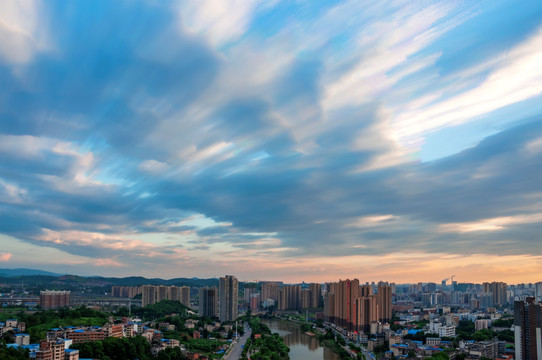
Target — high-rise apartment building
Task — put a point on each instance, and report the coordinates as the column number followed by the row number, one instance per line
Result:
column 316, row 295
column 151, row 294
column 431, row 287
column 342, row 295
column 383, row 299
column 499, row 291
column 185, row 295
column 366, row 290
column 538, row 291
column 365, row 313
column 528, row 329
column 125, row 291
column 54, row 299
column 289, row 297
column 208, row 302
column 270, row 291
column 354, row 307
column 250, row 288
column 330, row 314
column 228, row 298
column 254, row 302
column 349, row 291
column 305, row 302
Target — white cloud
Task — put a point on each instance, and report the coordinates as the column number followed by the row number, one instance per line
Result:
column 493, row 224
column 516, row 77
column 221, row 21
column 387, row 45
column 373, row 220
column 154, row 167
column 534, row 147
column 11, row 193
column 22, row 31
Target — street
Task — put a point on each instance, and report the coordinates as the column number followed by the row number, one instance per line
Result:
column 235, row 352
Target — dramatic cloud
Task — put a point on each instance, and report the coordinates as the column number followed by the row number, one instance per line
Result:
column 276, row 140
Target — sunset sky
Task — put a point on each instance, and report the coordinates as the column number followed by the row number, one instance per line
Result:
column 272, row 140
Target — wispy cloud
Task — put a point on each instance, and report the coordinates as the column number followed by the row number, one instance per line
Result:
column 513, row 77
column 387, row 44
column 220, row 21
column 494, row 224
column 251, row 136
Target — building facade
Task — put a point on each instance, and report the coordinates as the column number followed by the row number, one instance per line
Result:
column 151, row 294
column 208, row 302
column 125, row 291
column 270, row 291
column 528, row 329
column 228, row 296
column 316, row 295
column 355, row 307
column 185, row 295
column 54, row 299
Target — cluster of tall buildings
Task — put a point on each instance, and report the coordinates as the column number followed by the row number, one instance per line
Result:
column 151, row 294
column 224, row 301
column 125, row 291
column 497, row 291
column 293, row 297
column 355, row 307
column 221, row 302
column 473, row 296
column 52, row 299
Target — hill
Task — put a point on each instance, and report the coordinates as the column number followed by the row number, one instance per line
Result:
column 47, row 280
column 25, row 272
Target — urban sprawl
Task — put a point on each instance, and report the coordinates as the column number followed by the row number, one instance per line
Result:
column 221, row 320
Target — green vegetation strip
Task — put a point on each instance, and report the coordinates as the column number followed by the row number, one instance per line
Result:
column 263, row 345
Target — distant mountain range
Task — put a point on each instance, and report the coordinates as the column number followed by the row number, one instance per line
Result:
column 25, row 272
column 46, row 279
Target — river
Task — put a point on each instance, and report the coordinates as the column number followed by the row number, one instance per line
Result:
column 302, row 346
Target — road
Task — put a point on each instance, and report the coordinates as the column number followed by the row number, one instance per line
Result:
column 368, row 354
column 235, row 352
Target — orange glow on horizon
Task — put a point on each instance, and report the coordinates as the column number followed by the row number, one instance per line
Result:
column 399, row 268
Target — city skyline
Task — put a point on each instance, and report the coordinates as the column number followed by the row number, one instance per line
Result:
column 295, row 141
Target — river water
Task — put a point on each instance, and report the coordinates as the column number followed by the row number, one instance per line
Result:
column 302, row 346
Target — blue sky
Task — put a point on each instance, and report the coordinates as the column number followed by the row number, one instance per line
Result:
column 298, row 140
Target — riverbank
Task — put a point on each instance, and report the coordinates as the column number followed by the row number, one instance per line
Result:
column 263, row 343
column 337, row 348
column 303, row 346
column 327, row 339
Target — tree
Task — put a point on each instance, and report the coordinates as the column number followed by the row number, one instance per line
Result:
column 440, row 356
column 123, row 311
column 115, row 349
column 170, row 354
column 11, row 353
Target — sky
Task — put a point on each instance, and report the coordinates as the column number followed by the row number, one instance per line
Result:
column 272, row 140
